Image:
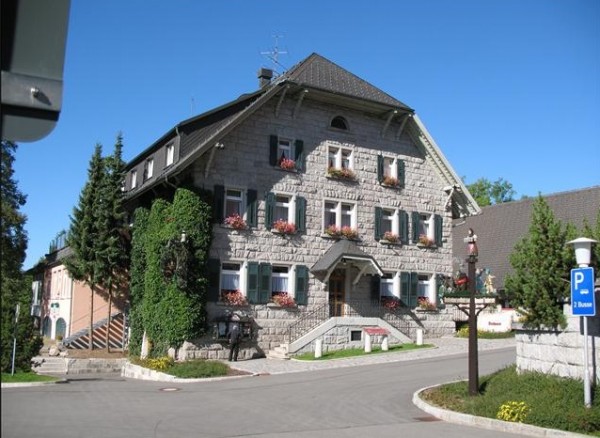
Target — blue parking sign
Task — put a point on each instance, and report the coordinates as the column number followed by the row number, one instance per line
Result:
column 583, row 302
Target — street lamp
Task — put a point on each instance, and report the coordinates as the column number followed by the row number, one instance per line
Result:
column 583, row 252
column 472, row 254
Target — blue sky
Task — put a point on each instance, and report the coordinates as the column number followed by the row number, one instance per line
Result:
column 508, row 88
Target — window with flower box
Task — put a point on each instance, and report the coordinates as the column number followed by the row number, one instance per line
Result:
column 340, row 162
column 405, row 288
column 285, row 213
column 339, row 216
column 286, row 153
column 391, row 225
column 390, row 171
column 427, row 229
column 235, row 206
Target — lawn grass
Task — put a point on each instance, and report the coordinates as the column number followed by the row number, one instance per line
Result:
column 26, row 377
column 352, row 352
column 552, row 402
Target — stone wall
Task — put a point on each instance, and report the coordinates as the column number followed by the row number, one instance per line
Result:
column 560, row 352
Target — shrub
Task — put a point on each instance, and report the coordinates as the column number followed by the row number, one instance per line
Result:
column 513, row 411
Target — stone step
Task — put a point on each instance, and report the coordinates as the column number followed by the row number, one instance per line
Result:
column 279, row 353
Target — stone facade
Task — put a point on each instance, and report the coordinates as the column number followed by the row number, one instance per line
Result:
column 560, row 352
column 243, row 164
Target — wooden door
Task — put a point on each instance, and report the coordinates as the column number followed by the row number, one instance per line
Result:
column 337, row 281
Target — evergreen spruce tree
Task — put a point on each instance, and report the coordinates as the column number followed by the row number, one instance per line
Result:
column 14, row 287
column 541, row 262
column 112, row 252
column 83, row 233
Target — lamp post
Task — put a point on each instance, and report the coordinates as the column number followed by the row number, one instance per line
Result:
column 472, row 254
column 582, row 294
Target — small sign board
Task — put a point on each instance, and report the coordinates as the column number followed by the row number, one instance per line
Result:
column 583, row 302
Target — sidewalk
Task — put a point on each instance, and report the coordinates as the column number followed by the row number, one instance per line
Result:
column 442, row 347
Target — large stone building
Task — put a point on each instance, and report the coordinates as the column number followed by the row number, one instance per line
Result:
column 343, row 199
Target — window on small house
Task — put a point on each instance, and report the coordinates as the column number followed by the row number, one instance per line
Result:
column 339, row 122
column 233, row 202
column 280, row 283
column 133, row 179
column 149, row 168
column 170, row 154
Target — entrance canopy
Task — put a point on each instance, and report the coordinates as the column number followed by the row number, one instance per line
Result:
column 342, row 254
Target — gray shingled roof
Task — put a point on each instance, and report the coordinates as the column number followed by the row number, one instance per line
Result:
column 320, row 73
column 499, row 227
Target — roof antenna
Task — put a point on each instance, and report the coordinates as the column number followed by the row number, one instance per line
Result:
column 274, row 53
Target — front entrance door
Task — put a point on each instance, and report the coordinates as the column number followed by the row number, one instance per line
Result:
column 336, row 293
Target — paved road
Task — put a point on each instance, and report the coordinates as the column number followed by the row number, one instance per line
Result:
column 373, row 400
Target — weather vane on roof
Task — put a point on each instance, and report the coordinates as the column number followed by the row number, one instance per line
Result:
column 274, row 53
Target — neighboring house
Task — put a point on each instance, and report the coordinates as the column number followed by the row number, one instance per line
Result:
column 499, row 227
column 345, row 200
column 61, row 305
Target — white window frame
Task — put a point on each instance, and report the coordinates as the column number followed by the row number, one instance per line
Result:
column 290, row 206
column 240, row 199
column 231, row 272
column 149, row 168
column 170, row 154
column 426, row 225
column 338, row 213
column 394, row 220
column 288, row 275
column 391, row 169
column 133, row 179
column 285, row 146
column 335, row 157
column 426, row 287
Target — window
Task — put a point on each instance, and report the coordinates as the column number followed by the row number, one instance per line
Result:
column 388, row 218
column 282, row 208
column 149, row 168
column 286, row 153
column 287, row 211
column 230, row 277
column 340, row 158
column 390, row 171
column 355, row 335
column 233, row 203
column 391, row 225
column 133, row 179
column 280, row 280
column 426, row 287
column 427, row 229
column 170, row 154
column 339, row 214
column 339, row 122
column 386, row 286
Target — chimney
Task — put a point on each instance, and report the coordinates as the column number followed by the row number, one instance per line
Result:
column 264, row 76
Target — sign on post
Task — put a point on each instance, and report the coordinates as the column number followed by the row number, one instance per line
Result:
column 583, row 302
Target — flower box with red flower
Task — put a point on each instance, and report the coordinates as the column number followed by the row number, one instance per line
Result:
column 287, row 164
column 425, row 241
column 282, row 299
column 283, row 227
column 389, row 238
column 236, row 222
column 233, row 298
column 341, row 173
column 391, row 302
column 390, row 181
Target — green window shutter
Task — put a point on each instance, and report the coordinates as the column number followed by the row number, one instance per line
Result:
column 300, row 214
column 252, row 283
column 403, row 216
column 375, row 288
column 273, row 143
column 416, row 218
column 218, row 203
column 252, row 208
column 380, row 168
column 264, row 283
column 301, row 285
column 214, row 274
column 269, row 210
column 405, row 288
column 378, row 214
column 414, row 287
column 401, row 172
column 299, row 155
column 438, row 222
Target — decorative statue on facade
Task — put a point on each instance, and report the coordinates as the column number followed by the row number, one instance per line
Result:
column 471, row 240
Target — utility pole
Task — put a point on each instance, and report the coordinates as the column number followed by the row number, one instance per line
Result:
column 473, row 253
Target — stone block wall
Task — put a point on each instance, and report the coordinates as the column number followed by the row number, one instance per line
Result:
column 560, row 352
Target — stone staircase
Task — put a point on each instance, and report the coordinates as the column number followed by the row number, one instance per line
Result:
column 49, row 365
column 65, row 365
column 279, row 353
